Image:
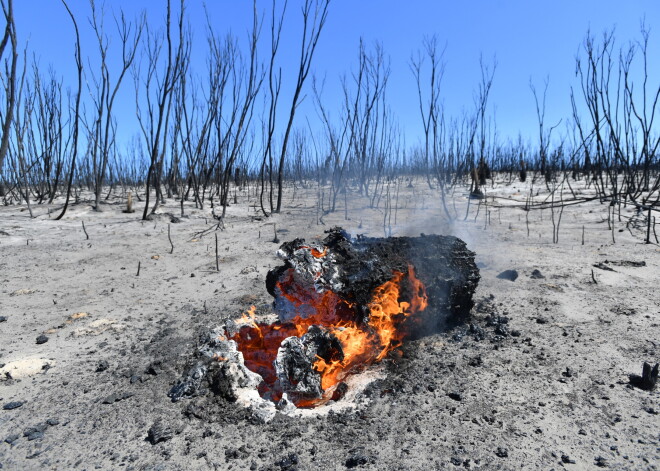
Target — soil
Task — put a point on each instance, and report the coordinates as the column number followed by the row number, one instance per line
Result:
column 537, row 378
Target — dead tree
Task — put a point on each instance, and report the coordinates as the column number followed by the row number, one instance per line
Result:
column 10, row 84
column 46, row 134
column 544, row 136
column 337, row 159
column 315, row 13
column 364, row 103
column 432, row 113
column 237, row 121
column 478, row 123
column 158, row 91
column 105, row 91
column 76, row 115
column 620, row 120
column 429, row 108
column 274, row 87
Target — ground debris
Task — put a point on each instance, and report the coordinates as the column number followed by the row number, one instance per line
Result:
column 604, row 267
column 287, row 462
column 600, row 462
column 357, row 457
column 116, row 397
column 511, row 275
column 502, row 452
column 13, row 405
column 35, row 432
column 159, row 432
column 626, row 263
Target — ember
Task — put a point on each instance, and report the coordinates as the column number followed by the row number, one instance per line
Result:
column 307, row 357
column 328, row 328
column 342, row 305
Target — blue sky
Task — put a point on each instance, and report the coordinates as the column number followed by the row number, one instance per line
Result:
column 530, row 40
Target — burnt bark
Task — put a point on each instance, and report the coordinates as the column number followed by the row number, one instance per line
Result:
column 443, row 264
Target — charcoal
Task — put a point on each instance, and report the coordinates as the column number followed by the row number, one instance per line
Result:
column 295, row 362
column 648, row 379
column 34, row 433
column 13, row 405
column 320, row 343
column 537, row 275
column 502, row 452
column 154, row 369
column 159, row 432
column 42, row 339
column 288, row 462
column 116, row 397
column 189, row 384
column 336, row 282
column 456, row 396
column 602, row 266
column 340, row 391
column 511, row 275
column 600, row 462
column 626, row 263
column 295, row 371
column 357, row 458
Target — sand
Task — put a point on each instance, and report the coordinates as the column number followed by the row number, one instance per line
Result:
column 551, row 392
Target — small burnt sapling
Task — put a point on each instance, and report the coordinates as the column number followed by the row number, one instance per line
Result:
column 648, row 379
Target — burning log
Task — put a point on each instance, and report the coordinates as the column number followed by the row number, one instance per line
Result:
column 353, row 269
column 342, row 305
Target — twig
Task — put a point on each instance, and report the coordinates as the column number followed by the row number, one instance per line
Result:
column 217, row 260
column 275, row 240
column 593, row 277
column 170, row 238
column 583, row 235
column 85, row 230
column 138, row 272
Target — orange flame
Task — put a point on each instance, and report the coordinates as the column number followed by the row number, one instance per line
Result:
column 315, row 252
column 392, row 303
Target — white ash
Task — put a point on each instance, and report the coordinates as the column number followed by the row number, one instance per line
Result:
column 322, row 272
column 222, row 367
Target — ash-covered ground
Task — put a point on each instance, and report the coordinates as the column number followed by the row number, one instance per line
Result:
column 537, row 378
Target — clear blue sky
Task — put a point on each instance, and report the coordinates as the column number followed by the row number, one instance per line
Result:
column 530, row 39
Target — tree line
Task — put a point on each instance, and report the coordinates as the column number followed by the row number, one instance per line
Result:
column 205, row 135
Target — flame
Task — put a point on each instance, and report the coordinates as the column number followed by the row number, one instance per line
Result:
column 316, row 253
column 362, row 343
